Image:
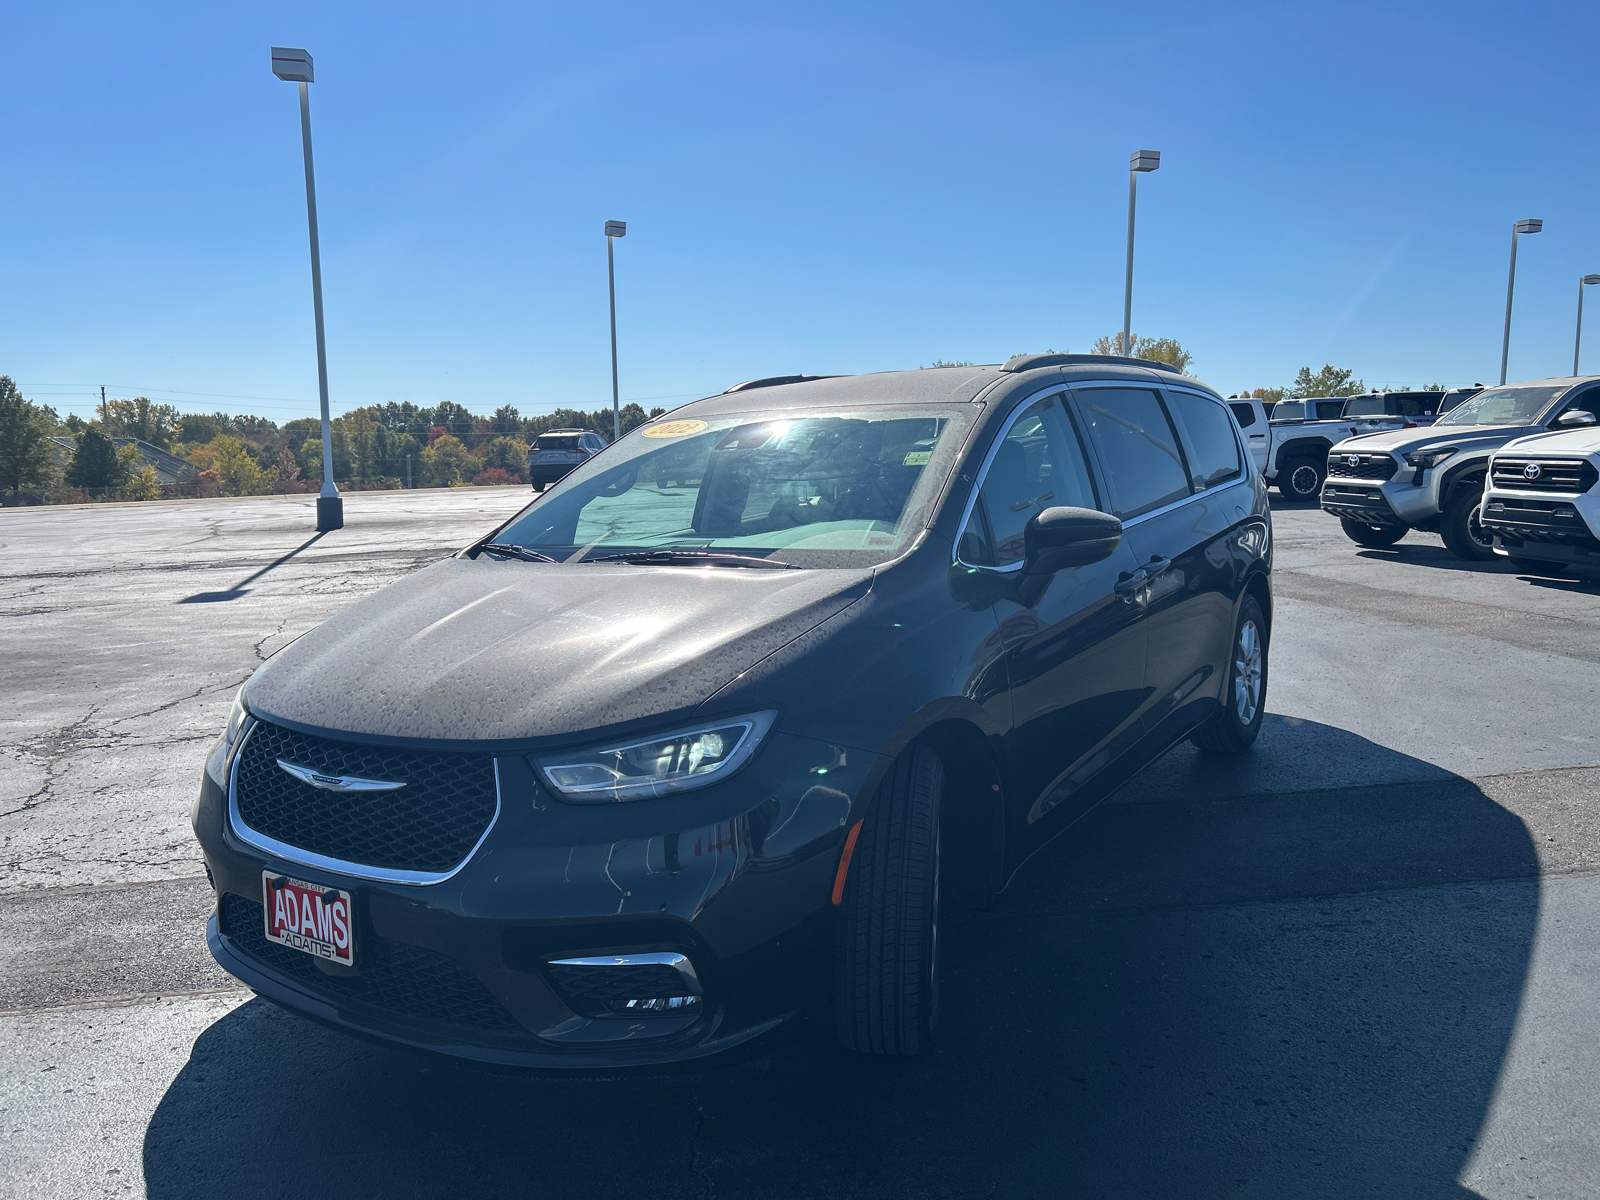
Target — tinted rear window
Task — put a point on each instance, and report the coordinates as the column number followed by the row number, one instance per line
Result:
column 1364, row 406
column 1211, row 446
column 1329, row 410
column 1245, row 414
column 1137, row 446
column 558, row 441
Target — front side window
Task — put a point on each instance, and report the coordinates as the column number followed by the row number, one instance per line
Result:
column 1588, row 402
column 830, row 489
column 1503, row 406
column 1138, row 449
column 1039, row 464
column 1208, row 440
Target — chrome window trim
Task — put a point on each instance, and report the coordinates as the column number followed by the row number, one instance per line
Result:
column 257, row 840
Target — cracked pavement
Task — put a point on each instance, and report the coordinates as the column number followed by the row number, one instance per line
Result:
column 1361, row 960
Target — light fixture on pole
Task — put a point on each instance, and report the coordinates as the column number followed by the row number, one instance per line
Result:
column 294, row 66
column 1578, row 341
column 1139, row 162
column 1531, row 225
column 614, row 229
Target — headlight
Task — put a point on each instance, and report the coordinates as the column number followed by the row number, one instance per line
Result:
column 1430, row 458
column 672, row 762
column 230, row 735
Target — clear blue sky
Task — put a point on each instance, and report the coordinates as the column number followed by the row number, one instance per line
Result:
column 816, row 188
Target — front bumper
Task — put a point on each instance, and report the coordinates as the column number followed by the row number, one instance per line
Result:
column 736, row 876
column 1539, row 525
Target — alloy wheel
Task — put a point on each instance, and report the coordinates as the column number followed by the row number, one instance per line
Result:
column 1247, row 661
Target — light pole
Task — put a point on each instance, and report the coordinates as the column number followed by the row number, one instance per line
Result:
column 614, row 229
column 1139, row 162
column 294, row 66
column 1531, row 225
column 1578, row 341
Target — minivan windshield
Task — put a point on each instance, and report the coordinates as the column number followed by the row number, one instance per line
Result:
column 1504, row 406
column 830, row 488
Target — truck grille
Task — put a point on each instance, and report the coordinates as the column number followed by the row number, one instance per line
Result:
column 395, row 977
column 1365, row 466
column 1537, row 521
column 1571, row 475
column 429, row 825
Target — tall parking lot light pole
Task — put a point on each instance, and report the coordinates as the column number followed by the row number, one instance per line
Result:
column 1531, row 225
column 294, row 66
column 614, row 230
column 1577, row 343
column 1139, row 162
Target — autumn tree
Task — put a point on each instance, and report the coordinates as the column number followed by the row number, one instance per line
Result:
column 1163, row 350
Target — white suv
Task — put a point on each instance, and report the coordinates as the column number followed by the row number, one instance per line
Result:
column 1542, row 503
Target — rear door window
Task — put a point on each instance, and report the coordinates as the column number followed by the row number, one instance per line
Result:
column 1245, row 414
column 1330, row 410
column 1039, row 464
column 1138, row 448
column 1209, row 442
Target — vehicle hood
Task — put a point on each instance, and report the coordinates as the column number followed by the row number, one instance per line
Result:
column 1565, row 441
column 1403, row 441
column 496, row 651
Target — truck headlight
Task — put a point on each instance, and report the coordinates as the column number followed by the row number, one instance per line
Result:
column 658, row 765
column 1423, row 459
column 235, row 727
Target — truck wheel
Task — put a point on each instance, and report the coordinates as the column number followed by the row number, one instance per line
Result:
column 1372, row 535
column 1464, row 535
column 1300, row 479
column 886, row 977
column 1233, row 729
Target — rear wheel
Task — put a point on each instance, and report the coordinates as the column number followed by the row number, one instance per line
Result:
column 1372, row 535
column 1234, row 728
column 886, row 978
column 1464, row 535
column 1300, row 479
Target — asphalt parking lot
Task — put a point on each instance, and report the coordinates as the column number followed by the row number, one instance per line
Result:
column 1362, row 961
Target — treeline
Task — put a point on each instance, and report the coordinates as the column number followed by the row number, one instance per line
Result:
column 445, row 445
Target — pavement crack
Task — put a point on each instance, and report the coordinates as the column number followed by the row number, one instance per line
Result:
column 699, row 1171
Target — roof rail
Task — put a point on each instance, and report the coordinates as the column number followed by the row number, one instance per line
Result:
column 774, row 381
column 1027, row 362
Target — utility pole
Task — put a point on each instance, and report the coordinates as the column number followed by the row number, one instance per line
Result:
column 614, row 230
column 103, row 417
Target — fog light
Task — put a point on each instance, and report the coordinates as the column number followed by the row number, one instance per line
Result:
column 615, row 985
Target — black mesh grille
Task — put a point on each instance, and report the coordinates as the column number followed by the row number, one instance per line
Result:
column 394, row 976
column 1366, row 466
column 597, row 991
column 431, row 824
column 1570, row 475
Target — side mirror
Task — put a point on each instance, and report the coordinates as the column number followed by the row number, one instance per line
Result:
column 1576, row 418
column 1058, row 538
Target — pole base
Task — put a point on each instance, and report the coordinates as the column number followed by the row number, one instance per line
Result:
column 330, row 513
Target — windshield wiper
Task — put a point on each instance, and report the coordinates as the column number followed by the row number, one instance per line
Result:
column 522, row 552
column 695, row 558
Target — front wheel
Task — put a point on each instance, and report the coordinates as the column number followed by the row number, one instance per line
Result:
column 1234, row 729
column 1372, row 535
column 886, row 977
column 1300, row 479
column 1463, row 533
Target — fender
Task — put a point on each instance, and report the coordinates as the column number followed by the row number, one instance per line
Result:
column 1308, row 446
column 1457, row 472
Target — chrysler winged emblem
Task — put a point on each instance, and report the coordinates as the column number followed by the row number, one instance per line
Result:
column 337, row 783
column 1531, row 471
column 1352, row 460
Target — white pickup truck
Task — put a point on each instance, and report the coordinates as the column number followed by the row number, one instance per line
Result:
column 1302, row 433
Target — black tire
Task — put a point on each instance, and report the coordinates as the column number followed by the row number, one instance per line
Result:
column 1372, row 535
column 1464, row 536
column 1300, row 479
column 886, row 977
column 539, row 487
column 1538, row 566
column 1234, row 728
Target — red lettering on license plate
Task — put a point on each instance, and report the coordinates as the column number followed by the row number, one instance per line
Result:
column 304, row 916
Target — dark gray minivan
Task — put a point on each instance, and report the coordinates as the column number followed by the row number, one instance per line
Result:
column 694, row 748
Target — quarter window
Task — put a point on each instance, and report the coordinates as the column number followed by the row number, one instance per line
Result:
column 1208, row 440
column 1039, row 464
column 1138, row 449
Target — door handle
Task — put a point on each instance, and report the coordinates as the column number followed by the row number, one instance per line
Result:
column 1129, row 583
column 1155, row 566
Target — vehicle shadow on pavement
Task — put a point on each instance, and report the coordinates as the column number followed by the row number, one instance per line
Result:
column 1198, row 991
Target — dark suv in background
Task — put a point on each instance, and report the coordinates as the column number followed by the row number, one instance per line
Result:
column 659, row 768
column 557, row 452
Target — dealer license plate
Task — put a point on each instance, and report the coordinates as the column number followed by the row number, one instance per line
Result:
column 304, row 916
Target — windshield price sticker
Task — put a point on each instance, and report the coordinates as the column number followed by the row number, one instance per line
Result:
column 917, row 458
column 309, row 918
column 673, row 429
